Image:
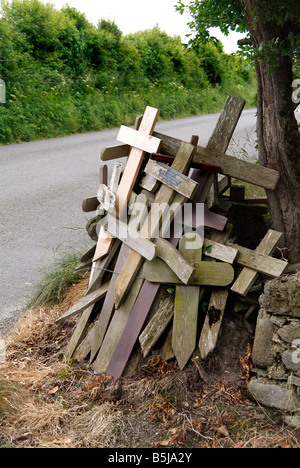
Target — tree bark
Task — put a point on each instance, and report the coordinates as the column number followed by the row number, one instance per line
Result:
column 278, row 136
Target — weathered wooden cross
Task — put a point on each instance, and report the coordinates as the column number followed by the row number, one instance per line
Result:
column 141, row 142
column 114, row 334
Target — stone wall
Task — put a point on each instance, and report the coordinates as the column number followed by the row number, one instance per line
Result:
column 276, row 350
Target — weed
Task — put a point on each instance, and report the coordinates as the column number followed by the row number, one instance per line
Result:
column 55, row 282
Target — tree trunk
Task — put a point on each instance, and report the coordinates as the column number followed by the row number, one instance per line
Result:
column 278, row 136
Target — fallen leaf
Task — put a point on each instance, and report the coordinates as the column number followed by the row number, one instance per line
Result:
column 54, row 390
column 223, row 431
column 66, row 440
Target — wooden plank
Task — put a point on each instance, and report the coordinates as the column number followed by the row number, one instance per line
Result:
column 100, row 327
column 174, row 179
column 227, row 123
column 164, row 196
column 88, row 256
column 237, row 193
column 138, row 316
column 157, row 325
column 85, row 302
column 213, row 321
column 149, row 290
column 103, row 174
column 87, row 316
column 219, row 296
column 136, row 139
column 116, row 328
column 130, row 175
column 221, row 136
column 132, row 330
column 167, row 352
column 115, row 152
column 181, row 267
column 231, row 166
column 223, row 185
column 80, row 332
column 120, row 151
column 219, row 251
column 90, row 204
column 185, row 323
column 99, row 268
column 248, row 277
column 262, row 263
column 207, row 274
column 131, row 237
column 211, row 220
column 186, row 306
column 195, row 165
column 149, row 183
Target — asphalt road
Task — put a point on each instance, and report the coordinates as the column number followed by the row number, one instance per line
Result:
column 42, row 185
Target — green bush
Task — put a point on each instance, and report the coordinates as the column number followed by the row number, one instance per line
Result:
column 64, row 75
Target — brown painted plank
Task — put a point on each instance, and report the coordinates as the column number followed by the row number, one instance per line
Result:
column 80, row 332
column 115, row 152
column 211, row 220
column 90, row 204
column 116, row 328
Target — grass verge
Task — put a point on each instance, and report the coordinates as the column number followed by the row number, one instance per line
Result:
column 47, row 402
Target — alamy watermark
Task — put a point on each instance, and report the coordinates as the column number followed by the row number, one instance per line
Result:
column 2, row 92
column 296, row 353
column 296, row 92
column 2, row 351
column 163, row 221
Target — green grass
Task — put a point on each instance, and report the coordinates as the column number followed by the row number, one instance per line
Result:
column 62, row 275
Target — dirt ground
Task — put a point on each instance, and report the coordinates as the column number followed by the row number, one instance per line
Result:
column 48, row 403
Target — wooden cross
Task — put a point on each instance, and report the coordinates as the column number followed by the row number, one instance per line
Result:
column 258, row 261
column 207, row 274
column 140, row 141
column 226, row 125
column 164, row 197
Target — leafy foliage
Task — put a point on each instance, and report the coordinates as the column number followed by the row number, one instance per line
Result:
column 234, row 15
column 65, row 75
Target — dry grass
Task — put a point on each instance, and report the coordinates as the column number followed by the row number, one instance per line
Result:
column 46, row 402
